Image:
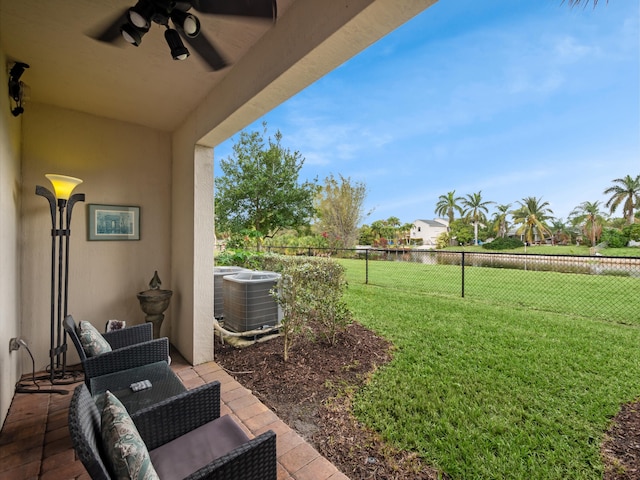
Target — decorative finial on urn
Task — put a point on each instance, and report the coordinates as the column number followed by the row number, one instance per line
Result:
column 154, row 302
column 155, row 282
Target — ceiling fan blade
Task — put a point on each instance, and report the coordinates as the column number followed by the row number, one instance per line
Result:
column 206, row 50
column 109, row 31
column 248, row 8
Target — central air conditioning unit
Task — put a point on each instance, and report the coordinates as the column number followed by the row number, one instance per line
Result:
column 248, row 303
column 218, row 298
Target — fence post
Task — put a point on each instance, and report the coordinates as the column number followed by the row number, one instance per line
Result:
column 366, row 261
column 309, row 254
column 462, row 274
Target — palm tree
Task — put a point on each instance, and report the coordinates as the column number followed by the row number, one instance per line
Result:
column 532, row 216
column 475, row 210
column 393, row 222
column 561, row 234
column 626, row 190
column 587, row 215
column 447, row 206
column 385, row 229
column 405, row 232
column 585, row 2
column 501, row 225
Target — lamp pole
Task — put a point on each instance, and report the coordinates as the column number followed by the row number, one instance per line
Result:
column 60, row 207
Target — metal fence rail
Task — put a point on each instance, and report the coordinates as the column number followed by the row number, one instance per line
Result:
column 600, row 287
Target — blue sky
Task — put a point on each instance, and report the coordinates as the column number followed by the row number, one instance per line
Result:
column 513, row 98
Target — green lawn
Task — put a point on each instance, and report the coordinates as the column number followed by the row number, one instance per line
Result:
column 556, row 250
column 611, row 298
column 484, row 389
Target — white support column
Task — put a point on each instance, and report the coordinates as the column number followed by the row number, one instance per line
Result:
column 192, row 236
column 204, row 239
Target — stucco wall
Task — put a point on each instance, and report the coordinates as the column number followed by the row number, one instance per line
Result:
column 121, row 164
column 10, row 127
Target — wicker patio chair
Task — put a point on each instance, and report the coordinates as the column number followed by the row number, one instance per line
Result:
column 172, row 420
column 132, row 347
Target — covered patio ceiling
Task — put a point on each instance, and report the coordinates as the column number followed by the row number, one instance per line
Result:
column 268, row 62
column 141, row 85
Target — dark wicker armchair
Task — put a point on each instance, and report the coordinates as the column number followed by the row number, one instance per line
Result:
column 172, row 420
column 132, row 347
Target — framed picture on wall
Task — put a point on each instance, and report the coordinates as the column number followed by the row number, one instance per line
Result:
column 113, row 222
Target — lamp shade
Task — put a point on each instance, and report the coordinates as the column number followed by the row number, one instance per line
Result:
column 63, row 185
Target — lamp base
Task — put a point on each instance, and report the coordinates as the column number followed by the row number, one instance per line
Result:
column 42, row 383
column 61, row 377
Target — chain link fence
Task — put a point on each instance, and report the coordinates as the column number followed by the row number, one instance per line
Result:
column 598, row 287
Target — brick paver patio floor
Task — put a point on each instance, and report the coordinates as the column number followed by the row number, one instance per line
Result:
column 35, row 442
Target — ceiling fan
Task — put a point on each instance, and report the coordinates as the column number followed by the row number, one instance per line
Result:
column 133, row 23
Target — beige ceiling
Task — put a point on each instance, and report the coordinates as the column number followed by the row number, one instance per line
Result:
column 144, row 85
column 71, row 70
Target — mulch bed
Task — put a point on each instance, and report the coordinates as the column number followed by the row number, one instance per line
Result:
column 621, row 447
column 312, row 393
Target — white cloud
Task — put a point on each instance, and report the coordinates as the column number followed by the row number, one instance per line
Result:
column 568, row 49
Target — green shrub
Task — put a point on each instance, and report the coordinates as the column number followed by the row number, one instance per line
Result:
column 503, row 244
column 443, row 240
column 292, row 294
column 310, row 292
column 239, row 258
column 614, row 238
column 327, row 283
column 632, row 232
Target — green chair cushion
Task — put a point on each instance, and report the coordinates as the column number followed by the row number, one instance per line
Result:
column 93, row 343
column 126, row 452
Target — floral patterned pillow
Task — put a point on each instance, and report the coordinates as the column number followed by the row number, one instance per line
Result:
column 92, row 341
column 127, row 452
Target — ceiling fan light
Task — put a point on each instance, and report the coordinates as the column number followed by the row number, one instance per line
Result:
column 189, row 24
column 140, row 16
column 138, row 20
column 131, row 34
column 178, row 50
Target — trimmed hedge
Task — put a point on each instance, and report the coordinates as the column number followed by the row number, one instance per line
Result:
column 503, row 244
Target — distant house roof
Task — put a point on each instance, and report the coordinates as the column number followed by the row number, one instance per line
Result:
column 435, row 223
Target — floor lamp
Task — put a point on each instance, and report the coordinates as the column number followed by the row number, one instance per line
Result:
column 61, row 206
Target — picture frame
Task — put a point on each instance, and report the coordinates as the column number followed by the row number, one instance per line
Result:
column 113, row 222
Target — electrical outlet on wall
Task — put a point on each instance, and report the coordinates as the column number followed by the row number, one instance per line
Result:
column 13, row 345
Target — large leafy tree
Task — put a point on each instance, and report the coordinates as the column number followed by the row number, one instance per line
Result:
column 625, row 192
column 366, row 235
column 461, row 231
column 259, row 189
column 532, row 216
column 340, row 209
column 475, row 210
column 590, row 219
column 447, row 206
